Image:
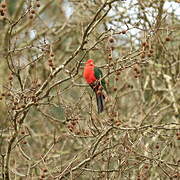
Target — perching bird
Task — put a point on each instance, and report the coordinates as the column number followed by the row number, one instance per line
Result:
column 93, row 75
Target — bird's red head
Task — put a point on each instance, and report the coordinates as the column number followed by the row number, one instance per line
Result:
column 90, row 62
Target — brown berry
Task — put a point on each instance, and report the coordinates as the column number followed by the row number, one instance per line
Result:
column 45, row 170
column 23, row 106
column 118, row 123
column 87, row 132
column 50, row 60
column 24, row 142
column 69, row 126
column 78, row 132
column 118, row 73
column 136, row 76
column 14, row 108
column 151, row 51
column 149, row 55
column 110, row 57
column 135, row 69
column 22, row 132
column 38, row 5
column 52, row 54
column 8, row 94
column 111, row 40
column 3, row 94
column 32, row 11
column 147, row 45
column 123, row 31
column 116, row 78
column 157, row 146
column 73, row 123
column 144, row 43
column 115, row 89
column 43, row 176
column 38, row 84
column 178, row 138
column 168, row 38
column 50, row 64
column 112, row 48
column 3, row 5
column 143, row 55
column 1, row 98
column 31, row 16
column 138, row 72
column 10, row 78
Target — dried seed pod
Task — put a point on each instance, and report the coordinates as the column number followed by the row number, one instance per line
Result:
column 50, row 60
column 15, row 103
column 143, row 55
column 45, row 170
column 52, row 54
column 73, row 123
column 111, row 39
column 116, row 78
column 118, row 123
column 50, row 64
column 10, row 77
column 3, row 5
column 118, row 73
column 136, row 76
column 23, row 106
column 22, row 132
column 9, row 94
column 32, row 11
column 24, row 142
column 38, row 5
column 157, row 146
column 110, row 57
column 151, row 51
column 144, row 44
column 1, row 9
column 168, row 38
column 115, row 89
column 123, row 31
column 31, row 16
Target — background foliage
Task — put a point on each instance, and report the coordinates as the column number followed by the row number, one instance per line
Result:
column 49, row 126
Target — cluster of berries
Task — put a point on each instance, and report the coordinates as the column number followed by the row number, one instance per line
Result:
column 32, row 11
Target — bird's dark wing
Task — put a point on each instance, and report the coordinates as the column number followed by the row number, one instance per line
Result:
column 98, row 74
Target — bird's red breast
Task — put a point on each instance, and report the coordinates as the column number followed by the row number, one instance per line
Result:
column 89, row 71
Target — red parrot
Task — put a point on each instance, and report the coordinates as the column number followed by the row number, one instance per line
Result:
column 93, row 75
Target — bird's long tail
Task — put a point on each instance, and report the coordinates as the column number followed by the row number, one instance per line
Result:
column 100, row 101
